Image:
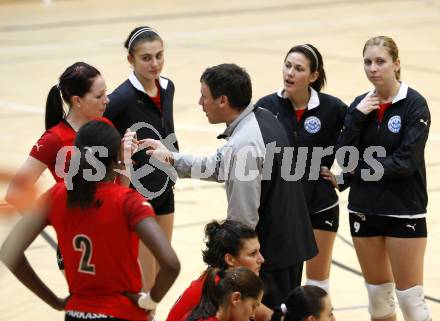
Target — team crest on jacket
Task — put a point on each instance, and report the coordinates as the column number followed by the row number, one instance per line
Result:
column 312, row 124
column 394, row 124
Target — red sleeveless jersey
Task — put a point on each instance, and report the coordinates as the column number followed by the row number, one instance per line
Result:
column 100, row 248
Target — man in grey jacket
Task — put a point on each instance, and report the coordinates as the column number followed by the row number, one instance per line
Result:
column 250, row 164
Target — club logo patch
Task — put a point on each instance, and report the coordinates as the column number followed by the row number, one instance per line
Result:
column 394, row 124
column 312, row 124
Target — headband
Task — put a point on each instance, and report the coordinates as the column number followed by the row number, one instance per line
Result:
column 313, row 53
column 138, row 33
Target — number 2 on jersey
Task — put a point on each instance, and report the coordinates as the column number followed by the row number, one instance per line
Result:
column 83, row 244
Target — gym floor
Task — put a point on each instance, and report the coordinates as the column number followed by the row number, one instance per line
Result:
column 39, row 39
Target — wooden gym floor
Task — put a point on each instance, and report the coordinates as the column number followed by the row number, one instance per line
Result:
column 39, row 39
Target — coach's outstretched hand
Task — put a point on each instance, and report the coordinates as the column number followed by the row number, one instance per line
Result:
column 158, row 150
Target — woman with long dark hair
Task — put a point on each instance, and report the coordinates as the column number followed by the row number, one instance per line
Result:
column 98, row 225
column 82, row 88
column 229, row 244
column 313, row 121
column 229, row 295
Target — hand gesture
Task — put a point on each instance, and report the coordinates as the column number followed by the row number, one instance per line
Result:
column 129, row 145
column 157, row 150
column 328, row 176
column 368, row 104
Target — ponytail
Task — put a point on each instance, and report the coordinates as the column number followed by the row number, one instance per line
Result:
column 220, row 284
column 208, row 304
column 93, row 138
column 76, row 80
column 83, row 191
column 54, row 108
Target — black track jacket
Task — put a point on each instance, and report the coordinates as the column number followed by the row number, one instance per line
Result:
column 129, row 106
column 320, row 126
column 403, row 133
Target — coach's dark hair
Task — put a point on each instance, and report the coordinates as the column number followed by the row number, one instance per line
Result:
column 231, row 81
column 318, row 66
column 144, row 36
column 301, row 303
column 220, row 284
column 76, row 80
column 222, row 238
column 93, row 133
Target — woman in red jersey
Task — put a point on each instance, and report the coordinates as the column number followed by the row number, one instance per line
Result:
column 83, row 89
column 231, row 295
column 98, row 225
column 229, row 244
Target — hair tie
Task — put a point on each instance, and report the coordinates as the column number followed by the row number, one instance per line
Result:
column 138, row 33
column 313, row 53
column 217, row 279
column 216, row 228
column 221, row 273
column 283, row 309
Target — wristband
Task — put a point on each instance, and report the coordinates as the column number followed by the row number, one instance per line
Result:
column 283, row 309
column 146, row 302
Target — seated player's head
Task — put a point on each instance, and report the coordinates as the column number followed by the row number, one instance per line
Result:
column 231, row 244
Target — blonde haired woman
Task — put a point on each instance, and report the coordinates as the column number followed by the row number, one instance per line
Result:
column 388, row 216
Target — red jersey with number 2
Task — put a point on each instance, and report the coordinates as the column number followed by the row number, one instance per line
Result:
column 100, row 248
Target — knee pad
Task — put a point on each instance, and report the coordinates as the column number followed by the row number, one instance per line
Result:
column 324, row 284
column 413, row 305
column 381, row 303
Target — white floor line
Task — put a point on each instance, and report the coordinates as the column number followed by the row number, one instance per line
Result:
column 21, row 107
column 352, row 307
